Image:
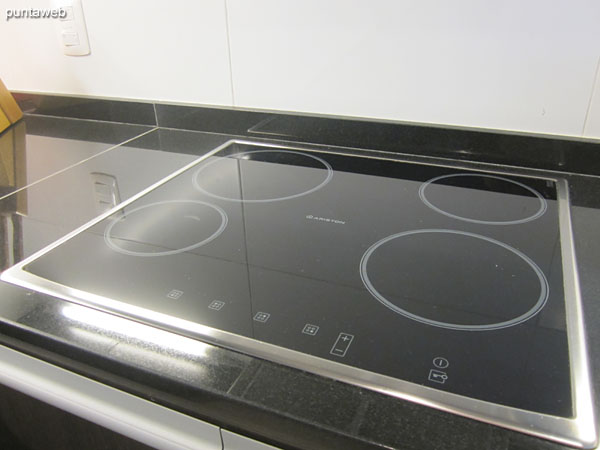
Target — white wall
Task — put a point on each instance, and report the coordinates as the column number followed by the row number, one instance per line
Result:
column 513, row 65
column 145, row 49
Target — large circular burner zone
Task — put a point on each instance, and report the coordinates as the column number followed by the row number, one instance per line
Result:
column 165, row 228
column 482, row 198
column 260, row 176
column 454, row 279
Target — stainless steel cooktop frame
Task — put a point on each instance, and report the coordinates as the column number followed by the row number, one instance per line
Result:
column 579, row 431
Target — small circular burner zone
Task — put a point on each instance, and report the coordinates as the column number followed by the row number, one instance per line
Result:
column 484, row 199
column 165, row 228
column 260, row 176
column 454, row 279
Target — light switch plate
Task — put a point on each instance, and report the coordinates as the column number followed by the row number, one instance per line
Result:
column 72, row 29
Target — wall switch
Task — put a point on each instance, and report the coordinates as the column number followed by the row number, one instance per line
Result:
column 70, row 38
column 72, row 28
column 68, row 13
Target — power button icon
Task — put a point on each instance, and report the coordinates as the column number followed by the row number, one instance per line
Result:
column 440, row 363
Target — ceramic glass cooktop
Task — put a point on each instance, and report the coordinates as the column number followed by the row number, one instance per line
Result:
column 450, row 287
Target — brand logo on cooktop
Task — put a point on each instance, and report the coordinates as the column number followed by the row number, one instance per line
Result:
column 325, row 219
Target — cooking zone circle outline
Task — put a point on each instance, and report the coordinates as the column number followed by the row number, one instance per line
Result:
column 266, row 200
column 543, row 298
column 115, row 247
column 538, row 213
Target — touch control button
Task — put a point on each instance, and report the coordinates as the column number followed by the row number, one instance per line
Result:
column 437, row 376
column 440, row 363
column 342, row 344
column 310, row 329
column 216, row 305
column 262, row 316
column 174, row 294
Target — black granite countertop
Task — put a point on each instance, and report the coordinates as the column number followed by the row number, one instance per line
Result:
column 47, row 192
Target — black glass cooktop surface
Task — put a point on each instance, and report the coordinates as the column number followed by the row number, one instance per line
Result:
column 436, row 284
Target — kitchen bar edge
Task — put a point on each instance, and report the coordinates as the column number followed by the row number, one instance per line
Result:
column 579, row 431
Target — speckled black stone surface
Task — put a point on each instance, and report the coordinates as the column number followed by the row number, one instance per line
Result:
column 510, row 149
column 88, row 108
column 285, row 407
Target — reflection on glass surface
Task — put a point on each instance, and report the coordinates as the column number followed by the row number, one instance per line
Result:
column 141, row 231
column 143, row 345
column 92, row 337
column 13, row 173
column 124, row 327
column 39, row 214
column 38, row 147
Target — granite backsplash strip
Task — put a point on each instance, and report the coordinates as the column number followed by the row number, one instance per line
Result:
column 137, row 113
column 67, row 128
column 504, row 148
